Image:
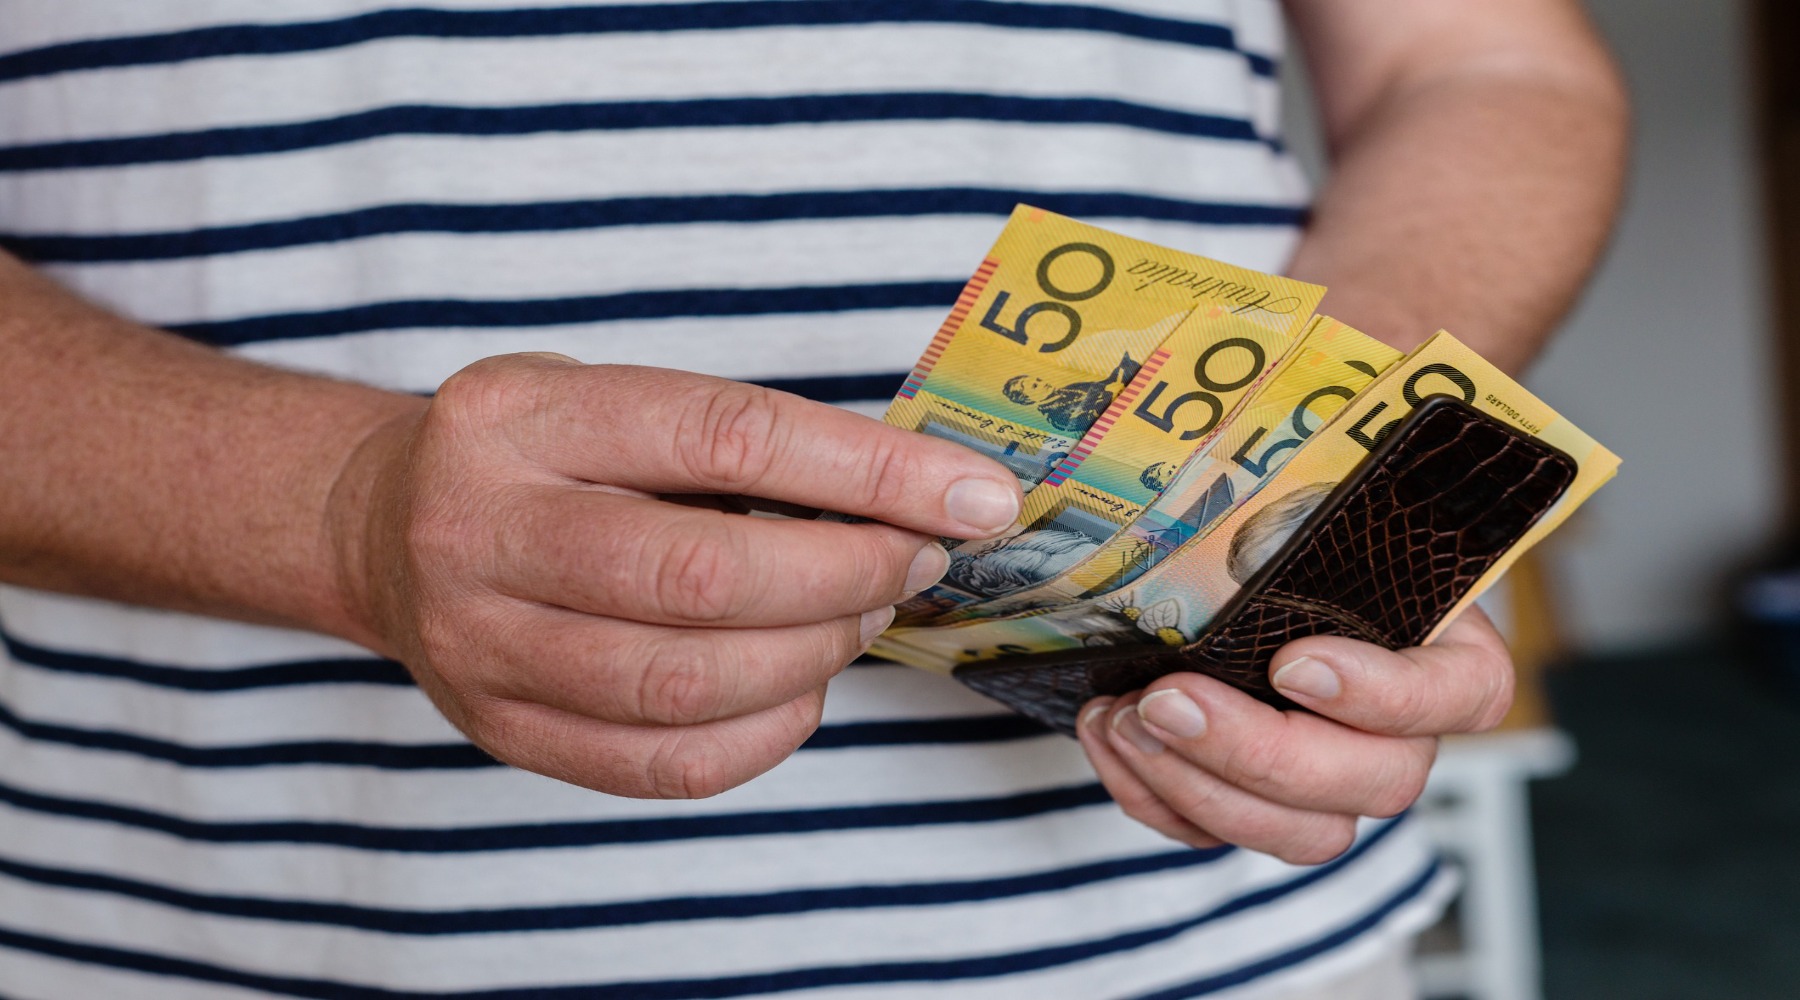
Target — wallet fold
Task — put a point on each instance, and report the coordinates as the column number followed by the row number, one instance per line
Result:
column 1388, row 553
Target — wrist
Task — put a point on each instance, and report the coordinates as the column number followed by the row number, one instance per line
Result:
column 361, row 519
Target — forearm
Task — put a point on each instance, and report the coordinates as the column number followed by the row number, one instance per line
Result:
column 1474, row 197
column 140, row 467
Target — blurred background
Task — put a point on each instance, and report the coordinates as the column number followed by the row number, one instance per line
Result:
column 1648, row 787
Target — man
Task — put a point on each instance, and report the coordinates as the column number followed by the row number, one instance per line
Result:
column 232, row 796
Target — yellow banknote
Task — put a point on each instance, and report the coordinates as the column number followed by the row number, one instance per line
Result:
column 1173, row 602
column 1183, row 395
column 1326, row 369
column 1055, row 323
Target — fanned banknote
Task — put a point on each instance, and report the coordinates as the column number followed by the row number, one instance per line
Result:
column 1181, row 397
column 1175, row 600
column 1055, row 323
column 1325, row 370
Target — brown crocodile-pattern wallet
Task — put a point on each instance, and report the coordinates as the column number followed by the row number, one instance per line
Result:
column 1383, row 559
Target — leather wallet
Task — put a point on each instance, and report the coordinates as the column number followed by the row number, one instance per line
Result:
column 1388, row 553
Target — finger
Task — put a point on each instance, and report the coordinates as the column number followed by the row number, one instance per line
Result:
column 637, row 674
column 1298, row 836
column 1292, row 758
column 674, row 432
column 1133, row 797
column 1461, row 683
column 645, row 560
column 686, row 762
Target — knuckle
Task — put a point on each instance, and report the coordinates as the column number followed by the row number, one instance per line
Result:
column 1398, row 791
column 1256, row 761
column 490, row 387
column 1497, row 699
column 679, row 770
column 499, row 727
column 1136, row 801
column 1143, row 809
column 891, row 472
column 1198, row 803
column 440, row 535
column 792, row 726
column 681, row 686
column 729, row 437
column 698, row 574
column 1320, row 843
column 1265, row 829
column 1409, row 708
column 877, row 563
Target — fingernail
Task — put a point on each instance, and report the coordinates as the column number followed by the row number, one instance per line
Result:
column 1309, row 677
column 928, row 567
column 876, row 622
column 1128, row 725
column 1174, row 713
column 982, row 504
column 1090, row 719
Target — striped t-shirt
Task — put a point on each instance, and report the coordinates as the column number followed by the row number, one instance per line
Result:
column 783, row 191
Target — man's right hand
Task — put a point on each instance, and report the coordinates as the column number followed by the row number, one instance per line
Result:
column 509, row 545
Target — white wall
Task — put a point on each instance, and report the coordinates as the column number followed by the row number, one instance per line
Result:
column 1666, row 360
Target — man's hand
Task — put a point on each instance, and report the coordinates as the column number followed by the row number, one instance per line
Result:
column 511, row 548
column 1205, row 764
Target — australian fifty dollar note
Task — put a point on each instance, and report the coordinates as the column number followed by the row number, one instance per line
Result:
column 1185, row 392
column 1327, row 368
column 1173, row 602
column 1056, row 321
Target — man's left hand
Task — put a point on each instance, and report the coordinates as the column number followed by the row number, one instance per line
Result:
column 1205, row 764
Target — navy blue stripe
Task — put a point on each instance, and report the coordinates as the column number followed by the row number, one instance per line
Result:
column 839, row 388
column 463, row 755
column 995, row 728
column 384, row 756
column 632, row 913
column 911, row 732
column 1312, row 949
column 451, row 840
column 274, row 675
column 490, row 313
column 647, row 211
column 974, row 967
column 313, row 36
column 425, row 119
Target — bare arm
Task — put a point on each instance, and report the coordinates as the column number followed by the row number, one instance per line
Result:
column 144, row 468
column 504, row 539
column 1477, row 152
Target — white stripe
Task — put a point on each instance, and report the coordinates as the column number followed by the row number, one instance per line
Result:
column 498, row 796
column 712, row 948
column 379, row 714
column 540, row 265
column 31, row 976
column 848, row 156
column 103, row 628
column 30, row 24
column 622, row 872
column 369, row 713
column 552, row 265
column 682, row 65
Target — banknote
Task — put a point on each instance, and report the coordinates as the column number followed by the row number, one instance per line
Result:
column 1179, row 400
column 1056, row 321
column 1330, row 364
column 1175, row 600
